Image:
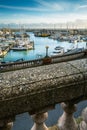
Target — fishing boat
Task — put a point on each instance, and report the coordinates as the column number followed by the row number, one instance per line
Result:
column 23, row 45
column 22, row 42
column 22, row 48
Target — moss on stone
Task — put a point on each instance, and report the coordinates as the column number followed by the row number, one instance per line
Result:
column 55, row 127
column 79, row 119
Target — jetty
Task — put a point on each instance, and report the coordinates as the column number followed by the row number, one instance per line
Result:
column 5, row 50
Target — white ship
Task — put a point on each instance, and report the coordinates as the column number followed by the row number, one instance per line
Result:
column 23, row 45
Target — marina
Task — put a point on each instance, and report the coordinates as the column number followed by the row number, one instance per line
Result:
column 16, row 42
column 38, row 49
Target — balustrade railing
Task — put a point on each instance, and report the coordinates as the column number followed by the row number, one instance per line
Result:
column 64, row 83
column 65, row 122
column 20, row 65
column 33, row 63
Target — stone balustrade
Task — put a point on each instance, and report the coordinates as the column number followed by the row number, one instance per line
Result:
column 43, row 61
column 37, row 90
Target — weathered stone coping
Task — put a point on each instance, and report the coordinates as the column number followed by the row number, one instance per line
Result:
column 36, row 89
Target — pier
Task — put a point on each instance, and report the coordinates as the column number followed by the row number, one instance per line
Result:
column 6, row 50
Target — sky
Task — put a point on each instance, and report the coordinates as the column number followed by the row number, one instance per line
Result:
column 42, row 11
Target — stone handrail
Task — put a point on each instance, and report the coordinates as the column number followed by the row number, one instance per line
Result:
column 39, row 89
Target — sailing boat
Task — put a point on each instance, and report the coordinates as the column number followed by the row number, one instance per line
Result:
column 23, row 43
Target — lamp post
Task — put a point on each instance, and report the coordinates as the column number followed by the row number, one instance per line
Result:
column 86, row 45
column 47, row 51
column 47, row 59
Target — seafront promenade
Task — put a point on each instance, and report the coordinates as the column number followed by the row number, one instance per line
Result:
column 44, row 61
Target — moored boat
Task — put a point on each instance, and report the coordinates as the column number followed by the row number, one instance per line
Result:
column 58, row 51
column 22, row 48
column 75, row 50
column 23, row 45
column 58, row 48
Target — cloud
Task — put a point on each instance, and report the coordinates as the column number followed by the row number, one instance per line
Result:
column 61, row 5
column 42, row 6
column 82, row 7
column 51, row 12
column 23, row 8
column 52, row 5
column 46, row 18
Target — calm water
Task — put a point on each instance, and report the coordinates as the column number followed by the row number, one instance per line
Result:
column 40, row 50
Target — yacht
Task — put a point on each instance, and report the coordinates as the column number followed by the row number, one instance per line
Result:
column 58, row 48
column 23, row 45
column 75, row 50
column 58, row 51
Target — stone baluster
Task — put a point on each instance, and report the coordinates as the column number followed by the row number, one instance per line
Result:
column 6, row 124
column 39, row 120
column 67, row 121
column 83, row 124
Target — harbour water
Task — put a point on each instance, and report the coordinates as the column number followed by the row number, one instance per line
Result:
column 40, row 49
